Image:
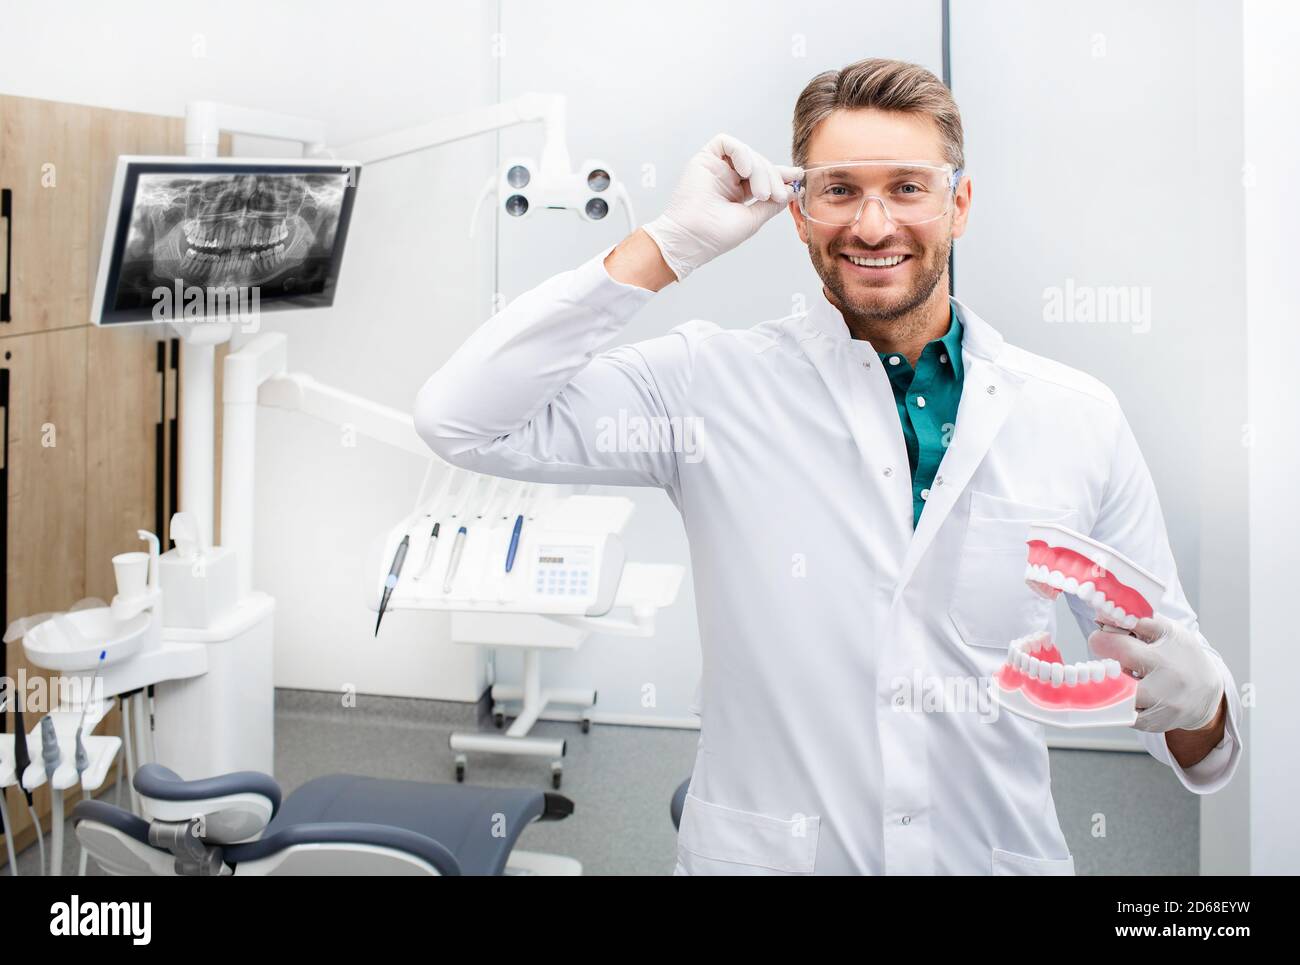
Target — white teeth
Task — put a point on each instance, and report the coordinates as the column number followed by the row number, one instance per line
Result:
column 1071, row 585
column 1112, row 668
column 1071, row 675
column 1056, row 579
column 877, row 262
column 1044, row 671
column 1085, row 591
column 1058, row 674
column 1032, row 668
column 1096, row 671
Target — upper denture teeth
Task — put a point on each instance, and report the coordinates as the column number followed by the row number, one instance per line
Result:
column 1056, row 579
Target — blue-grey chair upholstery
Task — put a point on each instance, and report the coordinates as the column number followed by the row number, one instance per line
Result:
column 456, row 828
column 679, row 802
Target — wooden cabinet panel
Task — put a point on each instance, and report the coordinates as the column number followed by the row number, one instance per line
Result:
column 44, row 147
column 45, row 558
column 124, row 389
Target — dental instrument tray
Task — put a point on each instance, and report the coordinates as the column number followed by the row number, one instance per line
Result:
column 526, row 551
column 1034, row 681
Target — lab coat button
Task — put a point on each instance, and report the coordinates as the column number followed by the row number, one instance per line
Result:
column 889, row 471
column 992, row 390
column 907, row 819
column 894, row 360
column 925, row 494
column 943, row 357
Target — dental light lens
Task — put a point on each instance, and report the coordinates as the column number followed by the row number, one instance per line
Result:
column 598, row 179
column 516, row 205
column 518, row 176
column 597, row 209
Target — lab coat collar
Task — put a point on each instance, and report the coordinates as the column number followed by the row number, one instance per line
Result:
column 979, row 338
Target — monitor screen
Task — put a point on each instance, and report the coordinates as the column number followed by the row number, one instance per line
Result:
column 194, row 239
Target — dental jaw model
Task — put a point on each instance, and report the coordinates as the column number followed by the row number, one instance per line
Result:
column 1035, row 681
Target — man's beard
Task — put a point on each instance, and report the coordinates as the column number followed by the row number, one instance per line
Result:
column 833, row 279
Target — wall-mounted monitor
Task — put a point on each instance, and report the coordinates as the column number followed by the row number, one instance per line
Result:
column 202, row 238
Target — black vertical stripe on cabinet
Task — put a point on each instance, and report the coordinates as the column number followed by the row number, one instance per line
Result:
column 7, row 212
column 21, row 760
column 175, row 431
column 159, row 480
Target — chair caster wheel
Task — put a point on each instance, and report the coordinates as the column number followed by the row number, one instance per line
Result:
column 556, row 776
column 460, row 770
column 499, row 719
column 586, row 725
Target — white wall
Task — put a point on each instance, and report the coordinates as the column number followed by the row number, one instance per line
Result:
column 1273, row 345
column 647, row 87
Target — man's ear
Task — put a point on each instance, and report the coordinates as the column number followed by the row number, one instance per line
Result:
column 800, row 222
column 961, row 204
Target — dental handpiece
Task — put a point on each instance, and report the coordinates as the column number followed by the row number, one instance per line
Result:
column 454, row 563
column 428, row 553
column 394, row 574
column 50, row 747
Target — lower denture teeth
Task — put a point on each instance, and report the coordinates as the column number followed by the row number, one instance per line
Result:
column 1058, row 674
column 1112, row 668
column 1044, row 671
column 1071, row 675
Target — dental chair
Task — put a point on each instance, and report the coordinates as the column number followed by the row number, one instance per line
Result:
column 335, row 825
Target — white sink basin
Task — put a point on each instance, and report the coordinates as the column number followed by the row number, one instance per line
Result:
column 74, row 641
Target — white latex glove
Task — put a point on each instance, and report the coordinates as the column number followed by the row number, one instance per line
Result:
column 1180, row 685
column 707, row 214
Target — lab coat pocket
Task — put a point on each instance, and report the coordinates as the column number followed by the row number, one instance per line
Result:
column 991, row 605
column 1010, row 863
column 717, row 840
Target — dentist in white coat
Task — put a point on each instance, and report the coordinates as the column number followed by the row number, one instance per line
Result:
column 901, row 563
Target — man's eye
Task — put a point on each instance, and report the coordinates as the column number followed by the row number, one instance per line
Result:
column 910, row 188
column 837, row 187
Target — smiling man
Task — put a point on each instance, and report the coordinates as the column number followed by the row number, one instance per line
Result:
column 857, row 509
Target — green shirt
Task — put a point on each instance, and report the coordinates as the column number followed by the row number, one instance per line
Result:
column 927, row 399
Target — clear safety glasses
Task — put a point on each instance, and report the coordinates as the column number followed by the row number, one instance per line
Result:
column 908, row 192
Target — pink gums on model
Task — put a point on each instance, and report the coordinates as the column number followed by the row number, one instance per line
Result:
column 1070, row 563
column 1082, row 696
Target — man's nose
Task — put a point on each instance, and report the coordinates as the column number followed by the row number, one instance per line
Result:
column 873, row 225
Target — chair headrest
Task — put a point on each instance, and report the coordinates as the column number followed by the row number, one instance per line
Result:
column 234, row 807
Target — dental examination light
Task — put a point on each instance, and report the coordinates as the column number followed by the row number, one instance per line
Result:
column 523, row 186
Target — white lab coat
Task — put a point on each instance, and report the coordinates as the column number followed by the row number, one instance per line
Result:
column 819, row 607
